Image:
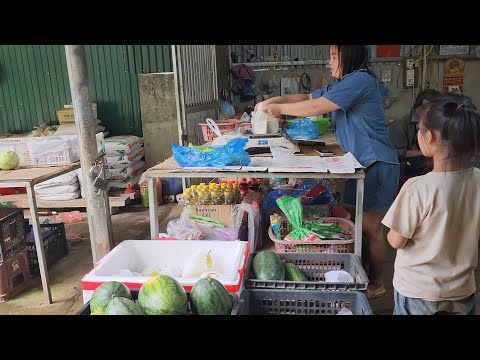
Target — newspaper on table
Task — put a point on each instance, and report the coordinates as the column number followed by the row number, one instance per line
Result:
column 258, row 164
column 314, row 164
column 345, row 164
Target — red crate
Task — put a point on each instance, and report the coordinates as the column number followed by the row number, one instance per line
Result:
column 14, row 275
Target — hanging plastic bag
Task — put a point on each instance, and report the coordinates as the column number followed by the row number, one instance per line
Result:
column 230, row 154
column 248, row 216
column 292, row 208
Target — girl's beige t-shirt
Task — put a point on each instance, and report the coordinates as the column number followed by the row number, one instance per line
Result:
column 440, row 215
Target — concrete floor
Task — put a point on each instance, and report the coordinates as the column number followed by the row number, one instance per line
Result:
column 131, row 222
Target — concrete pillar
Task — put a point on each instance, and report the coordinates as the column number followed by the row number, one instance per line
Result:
column 158, row 107
column 98, row 208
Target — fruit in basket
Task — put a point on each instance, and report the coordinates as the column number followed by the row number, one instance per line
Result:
column 267, row 265
column 209, row 297
column 163, row 295
column 105, row 293
column 9, row 160
column 293, row 273
column 123, row 306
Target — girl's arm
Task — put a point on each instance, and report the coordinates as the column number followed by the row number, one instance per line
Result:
column 396, row 240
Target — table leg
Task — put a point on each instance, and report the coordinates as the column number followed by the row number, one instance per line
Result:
column 39, row 243
column 153, row 207
column 359, row 217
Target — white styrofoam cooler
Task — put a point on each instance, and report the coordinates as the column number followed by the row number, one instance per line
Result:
column 230, row 260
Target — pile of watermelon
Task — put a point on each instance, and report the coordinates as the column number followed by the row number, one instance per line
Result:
column 162, row 295
column 267, row 265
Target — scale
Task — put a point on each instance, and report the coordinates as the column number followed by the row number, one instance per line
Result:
column 260, row 143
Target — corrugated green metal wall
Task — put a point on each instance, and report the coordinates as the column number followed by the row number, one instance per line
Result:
column 34, row 84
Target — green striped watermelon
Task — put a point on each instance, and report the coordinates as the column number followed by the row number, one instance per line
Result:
column 267, row 265
column 106, row 292
column 123, row 306
column 293, row 273
column 163, row 295
column 209, row 297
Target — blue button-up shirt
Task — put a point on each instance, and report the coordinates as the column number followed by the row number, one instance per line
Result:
column 360, row 125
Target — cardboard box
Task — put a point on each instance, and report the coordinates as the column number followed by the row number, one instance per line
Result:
column 223, row 213
column 66, row 115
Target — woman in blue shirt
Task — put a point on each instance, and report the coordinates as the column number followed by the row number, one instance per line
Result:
column 355, row 101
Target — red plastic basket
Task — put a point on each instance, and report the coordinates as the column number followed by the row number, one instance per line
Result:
column 327, row 246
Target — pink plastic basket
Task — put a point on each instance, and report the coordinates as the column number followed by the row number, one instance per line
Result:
column 327, row 246
column 209, row 135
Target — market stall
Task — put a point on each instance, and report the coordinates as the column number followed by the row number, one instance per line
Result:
column 28, row 176
column 170, row 168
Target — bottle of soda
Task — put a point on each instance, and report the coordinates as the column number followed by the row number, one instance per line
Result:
column 243, row 229
column 144, row 194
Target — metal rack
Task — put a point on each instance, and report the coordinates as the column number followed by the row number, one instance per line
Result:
column 169, row 168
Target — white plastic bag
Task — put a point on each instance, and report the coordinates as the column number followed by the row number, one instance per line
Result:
column 222, row 139
column 262, row 123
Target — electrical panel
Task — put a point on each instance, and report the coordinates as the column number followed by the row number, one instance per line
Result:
column 410, row 78
column 409, row 74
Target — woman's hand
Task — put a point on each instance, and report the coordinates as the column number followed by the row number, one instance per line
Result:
column 273, row 109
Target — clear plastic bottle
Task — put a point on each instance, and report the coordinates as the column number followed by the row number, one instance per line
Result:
column 200, row 198
column 194, row 190
column 236, row 194
column 187, row 194
column 215, row 200
column 227, row 197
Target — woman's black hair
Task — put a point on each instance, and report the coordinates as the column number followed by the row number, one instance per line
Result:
column 459, row 125
column 354, row 57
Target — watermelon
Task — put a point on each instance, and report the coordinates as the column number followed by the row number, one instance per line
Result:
column 123, row 306
column 267, row 265
column 106, row 292
column 209, row 297
column 163, row 295
column 293, row 273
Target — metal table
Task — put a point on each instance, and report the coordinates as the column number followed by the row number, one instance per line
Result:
column 169, row 168
column 28, row 176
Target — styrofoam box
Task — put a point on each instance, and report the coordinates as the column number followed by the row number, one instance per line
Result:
column 229, row 258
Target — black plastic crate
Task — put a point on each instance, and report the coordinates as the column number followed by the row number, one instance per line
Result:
column 302, row 302
column 54, row 242
column 85, row 309
column 314, row 265
column 12, row 232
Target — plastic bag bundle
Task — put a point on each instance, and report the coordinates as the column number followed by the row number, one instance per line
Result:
column 292, row 208
column 230, row 154
column 338, row 276
column 303, row 129
column 200, row 263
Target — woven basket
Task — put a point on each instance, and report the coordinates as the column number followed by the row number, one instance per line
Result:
column 327, row 246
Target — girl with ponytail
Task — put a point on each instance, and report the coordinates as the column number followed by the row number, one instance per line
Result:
column 435, row 220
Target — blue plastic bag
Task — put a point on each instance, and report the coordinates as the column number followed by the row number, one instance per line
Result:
column 230, row 154
column 303, row 129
